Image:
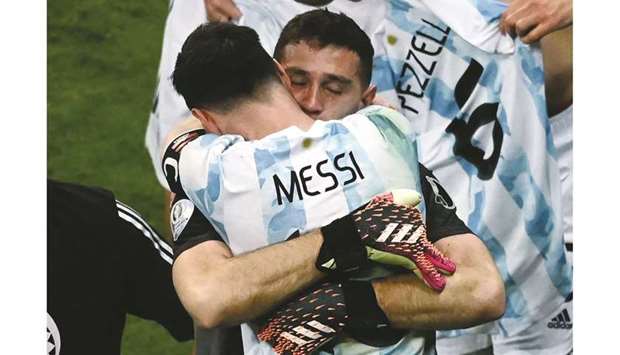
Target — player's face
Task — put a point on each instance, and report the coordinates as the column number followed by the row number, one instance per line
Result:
column 325, row 81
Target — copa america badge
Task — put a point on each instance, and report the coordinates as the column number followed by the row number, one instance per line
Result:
column 179, row 216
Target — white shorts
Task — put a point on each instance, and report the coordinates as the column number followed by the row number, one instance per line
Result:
column 552, row 335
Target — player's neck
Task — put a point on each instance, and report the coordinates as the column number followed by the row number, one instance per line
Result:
column 259, row 119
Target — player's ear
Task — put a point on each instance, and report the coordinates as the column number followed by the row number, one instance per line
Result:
column 286, row 80
column 369, row 95
column 206, row 120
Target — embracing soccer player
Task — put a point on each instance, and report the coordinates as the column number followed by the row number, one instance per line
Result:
column 278, row 174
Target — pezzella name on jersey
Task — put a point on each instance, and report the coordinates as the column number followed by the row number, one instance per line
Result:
column 420, row 62
column 344, row 163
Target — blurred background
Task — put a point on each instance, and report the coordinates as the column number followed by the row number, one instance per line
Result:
column 102, row 58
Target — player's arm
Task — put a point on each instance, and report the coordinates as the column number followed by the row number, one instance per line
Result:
column 550, row 22
column 557, row 49
column 474, row 294
column 150, row 293
column 219, row 289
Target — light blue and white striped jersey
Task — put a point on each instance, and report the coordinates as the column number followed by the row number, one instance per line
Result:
column 476, row 102
column 257, row 193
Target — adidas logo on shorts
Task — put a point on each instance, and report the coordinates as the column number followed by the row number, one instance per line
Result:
column 561, row 321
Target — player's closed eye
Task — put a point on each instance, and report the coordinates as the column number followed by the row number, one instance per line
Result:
column 298, row 80
column 334, row 88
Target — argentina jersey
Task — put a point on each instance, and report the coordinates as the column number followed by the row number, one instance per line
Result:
column 256, row 193
column 475, row 100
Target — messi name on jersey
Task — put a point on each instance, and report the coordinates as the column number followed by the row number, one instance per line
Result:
column 344, row 162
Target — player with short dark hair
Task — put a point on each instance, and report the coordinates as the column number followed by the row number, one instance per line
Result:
column 323, row 28
column 196, row 62
column 328, row 58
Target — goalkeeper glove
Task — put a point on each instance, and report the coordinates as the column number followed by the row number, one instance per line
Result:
column 322, row 313
column 387, row 230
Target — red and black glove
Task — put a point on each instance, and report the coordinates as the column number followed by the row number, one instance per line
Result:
column 388, row 230
column 320, row 314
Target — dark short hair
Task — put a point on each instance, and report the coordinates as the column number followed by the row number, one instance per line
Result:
column 324, row 28
column 221, row 64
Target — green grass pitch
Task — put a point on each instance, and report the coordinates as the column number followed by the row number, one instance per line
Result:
column 102, row 61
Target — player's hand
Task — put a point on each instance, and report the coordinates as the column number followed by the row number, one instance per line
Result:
column 221, row 10
column 394, row 233
column 533, row 19
column 307, row 322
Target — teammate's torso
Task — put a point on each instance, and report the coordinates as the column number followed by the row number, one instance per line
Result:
column 482, row 127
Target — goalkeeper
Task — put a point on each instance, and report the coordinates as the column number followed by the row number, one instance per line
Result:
column 298, row 179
